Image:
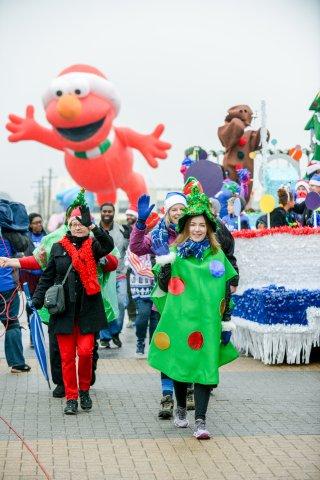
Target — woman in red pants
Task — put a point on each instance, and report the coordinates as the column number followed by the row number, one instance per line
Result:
column 84, row 314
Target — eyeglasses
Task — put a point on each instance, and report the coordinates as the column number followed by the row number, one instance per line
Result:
column 76, row 225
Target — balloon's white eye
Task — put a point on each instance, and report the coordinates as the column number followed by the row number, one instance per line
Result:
column 79, row 87
column 58, row 88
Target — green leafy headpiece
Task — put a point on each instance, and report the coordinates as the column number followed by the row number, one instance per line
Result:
column 197, row 204
column 79, row 201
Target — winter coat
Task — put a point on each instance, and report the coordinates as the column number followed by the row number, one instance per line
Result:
column 226, row 242
column 231, row 222
column 279, row 217
column 141, row 242
column 120, row 235
column 10, row 244
column 85, row 310
column 31, row 276
column 306, row 213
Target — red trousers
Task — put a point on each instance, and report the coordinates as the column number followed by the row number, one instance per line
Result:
column 70, row 345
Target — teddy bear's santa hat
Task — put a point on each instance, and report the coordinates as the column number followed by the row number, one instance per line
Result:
column 83, row 79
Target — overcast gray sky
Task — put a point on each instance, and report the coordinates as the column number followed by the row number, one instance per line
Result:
column 180, row 62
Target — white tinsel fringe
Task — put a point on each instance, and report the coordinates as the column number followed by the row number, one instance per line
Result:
column 228, row 326
column 270, row 343
column 165, row 259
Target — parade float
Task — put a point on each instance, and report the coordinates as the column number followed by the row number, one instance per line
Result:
column 81, row 105
column 277, row 303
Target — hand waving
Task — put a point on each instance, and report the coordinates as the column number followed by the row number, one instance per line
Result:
column 144, row 207
column 85, row 218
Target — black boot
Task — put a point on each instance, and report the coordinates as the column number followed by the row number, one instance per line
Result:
column 116, row 340
column 71, row 407
column 85, row 400
column 59, row 392
column 166, row 407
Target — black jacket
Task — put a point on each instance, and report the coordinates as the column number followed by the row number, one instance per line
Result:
column 306, row 214
column 86, row 310
column 279, row 217
column 19, row 241
column 226, row 241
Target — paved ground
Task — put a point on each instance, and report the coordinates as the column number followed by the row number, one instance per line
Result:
column 264, row 420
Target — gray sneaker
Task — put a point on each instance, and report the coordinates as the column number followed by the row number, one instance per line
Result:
column 200, row 431
column 180, row 418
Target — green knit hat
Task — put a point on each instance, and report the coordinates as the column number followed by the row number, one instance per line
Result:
column 197, row 204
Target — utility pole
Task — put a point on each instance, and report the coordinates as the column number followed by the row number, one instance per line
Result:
column 50, row 177
column 43, row 199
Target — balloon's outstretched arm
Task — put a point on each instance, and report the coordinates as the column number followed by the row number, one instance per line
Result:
column 28, row 129
column 149, row 145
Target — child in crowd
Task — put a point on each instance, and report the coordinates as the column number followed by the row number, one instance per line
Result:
column 141, row 285
column 231, row 220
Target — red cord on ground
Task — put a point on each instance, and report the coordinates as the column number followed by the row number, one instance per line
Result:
column 27, row 447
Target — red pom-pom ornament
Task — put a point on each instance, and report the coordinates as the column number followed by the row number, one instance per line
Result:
column 176, row 286
column 195, row 340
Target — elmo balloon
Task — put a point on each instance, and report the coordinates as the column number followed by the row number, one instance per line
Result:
column 81, row 105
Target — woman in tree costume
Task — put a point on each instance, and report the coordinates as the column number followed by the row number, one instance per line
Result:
column 192, row 338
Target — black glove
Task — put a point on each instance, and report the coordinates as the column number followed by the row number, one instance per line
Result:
column 35, row 304
column 85, row 218
column 28, row 310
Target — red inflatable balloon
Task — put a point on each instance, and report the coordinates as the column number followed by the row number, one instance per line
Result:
column 81, row 105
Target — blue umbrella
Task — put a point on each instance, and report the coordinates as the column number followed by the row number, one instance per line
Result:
column 37, row 335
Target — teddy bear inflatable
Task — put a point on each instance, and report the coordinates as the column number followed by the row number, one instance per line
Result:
column 239, row 139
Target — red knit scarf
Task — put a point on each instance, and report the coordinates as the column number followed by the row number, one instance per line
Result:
column 84, row 263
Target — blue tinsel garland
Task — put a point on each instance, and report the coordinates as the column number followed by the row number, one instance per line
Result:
column 272, row 304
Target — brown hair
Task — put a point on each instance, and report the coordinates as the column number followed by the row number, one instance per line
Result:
column 185, row 234
column 284, row 196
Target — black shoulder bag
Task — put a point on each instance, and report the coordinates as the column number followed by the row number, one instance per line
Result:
column 54, row 299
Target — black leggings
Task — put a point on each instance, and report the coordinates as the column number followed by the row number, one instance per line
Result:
column 201, row 397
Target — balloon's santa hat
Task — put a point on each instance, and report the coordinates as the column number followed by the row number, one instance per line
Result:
column 80, row 80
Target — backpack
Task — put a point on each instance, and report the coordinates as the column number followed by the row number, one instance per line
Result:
column 13, row 216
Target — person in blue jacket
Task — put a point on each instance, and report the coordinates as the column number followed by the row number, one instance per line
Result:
column 11, row 242
column 231, row 220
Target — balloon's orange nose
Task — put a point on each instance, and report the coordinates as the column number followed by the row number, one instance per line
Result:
column 69, row 106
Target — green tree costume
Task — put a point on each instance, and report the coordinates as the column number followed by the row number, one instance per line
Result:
column 186, row 344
